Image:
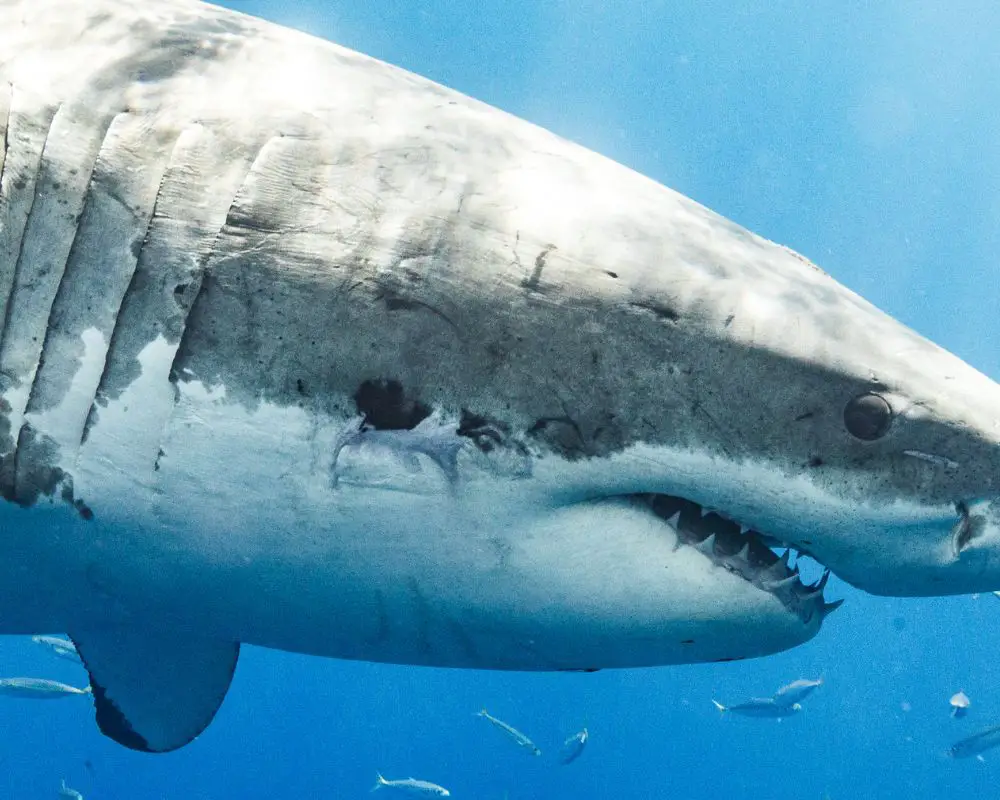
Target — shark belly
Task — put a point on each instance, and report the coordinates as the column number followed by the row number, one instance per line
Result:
column 392, row 561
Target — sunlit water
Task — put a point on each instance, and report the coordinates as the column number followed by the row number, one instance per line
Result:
column 865, row 139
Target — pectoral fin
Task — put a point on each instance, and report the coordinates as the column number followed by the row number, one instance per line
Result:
column 155, row 691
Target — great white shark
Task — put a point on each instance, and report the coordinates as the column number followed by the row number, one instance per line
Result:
column 304, row 351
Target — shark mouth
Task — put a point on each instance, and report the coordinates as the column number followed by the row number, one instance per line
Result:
column 743, row 552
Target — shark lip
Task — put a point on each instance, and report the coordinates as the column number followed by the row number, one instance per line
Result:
column 743, row 552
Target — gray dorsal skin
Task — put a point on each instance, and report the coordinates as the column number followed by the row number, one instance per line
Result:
column 304, row 351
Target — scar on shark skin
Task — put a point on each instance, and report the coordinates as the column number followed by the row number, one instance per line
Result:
column 436, row 440
column 388, row 417
column 532, row 281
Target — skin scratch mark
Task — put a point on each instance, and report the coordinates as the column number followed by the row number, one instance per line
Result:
column 439, row 442
column 533, row 280
column 395, row 303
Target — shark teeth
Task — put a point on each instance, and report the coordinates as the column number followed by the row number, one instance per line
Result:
column 706, row 546
column 744, row 552
column 784, row 583
column 829, row 608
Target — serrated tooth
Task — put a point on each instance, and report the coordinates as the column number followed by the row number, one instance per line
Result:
column 675, row 521
column 744, row 554
column 821, row 583
column 705, row 511
column 783, row 559
column 829, row 608
column 706, row 546
column 744, row 529
column 774, row 586
column 774, row 572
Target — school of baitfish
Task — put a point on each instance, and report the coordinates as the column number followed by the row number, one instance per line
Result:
column 786, row 701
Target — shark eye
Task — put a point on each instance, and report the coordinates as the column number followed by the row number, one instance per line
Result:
column 867, row 417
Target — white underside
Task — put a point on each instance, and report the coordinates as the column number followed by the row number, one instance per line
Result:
column 227, row 522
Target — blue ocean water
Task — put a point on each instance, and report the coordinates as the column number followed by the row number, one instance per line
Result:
column 862, row 135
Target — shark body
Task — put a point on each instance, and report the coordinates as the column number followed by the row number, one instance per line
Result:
column 304, row 351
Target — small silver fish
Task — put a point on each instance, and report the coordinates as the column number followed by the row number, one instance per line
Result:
column 960, row 703
column 796, row 691
column 977, row 744
column 519, row 738
column 38, row 688
column 573, row 747
column 63, row 648
column 411, row 786
column 760, row 707
column 69, row 794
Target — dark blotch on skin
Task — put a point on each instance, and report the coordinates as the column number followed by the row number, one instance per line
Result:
column 562, row 434
column 67, row 495
column 485, row 434
column 688, row 641
column 868, row 417
column 661, row 311
column 536, row 274
column 34, row 472
column 385, row 406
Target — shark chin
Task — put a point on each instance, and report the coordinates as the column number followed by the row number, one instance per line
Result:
column 302, row 351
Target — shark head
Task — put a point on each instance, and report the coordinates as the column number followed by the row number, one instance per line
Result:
column 811, row 420
column 363, row 368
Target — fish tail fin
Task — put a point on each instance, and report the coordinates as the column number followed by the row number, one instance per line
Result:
column 379, row 781
column 88, row 689
column 718, row 705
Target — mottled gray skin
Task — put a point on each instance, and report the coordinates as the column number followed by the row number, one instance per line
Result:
column 222, row 243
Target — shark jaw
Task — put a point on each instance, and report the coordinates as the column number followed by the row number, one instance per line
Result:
column 886, row 545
